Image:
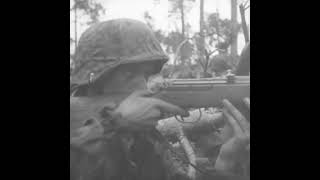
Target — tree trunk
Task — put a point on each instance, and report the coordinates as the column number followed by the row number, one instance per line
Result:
column 184, row 142
column 182, row 29
column 202, row 42
column 75, row 25
column 234, row 44
column 243, row 23
column 217, row 27
column 182, row 20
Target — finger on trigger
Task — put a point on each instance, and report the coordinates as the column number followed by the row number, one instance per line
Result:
column 165, row 107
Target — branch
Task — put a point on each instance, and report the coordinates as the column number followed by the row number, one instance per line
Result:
column 247, row 7
column 201, row 63
column 210, row 53
column 245, row 3
column 185, row 143
column 243, row 23
column 178, row 49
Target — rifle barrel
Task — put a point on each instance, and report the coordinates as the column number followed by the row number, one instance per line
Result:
column 195, row 93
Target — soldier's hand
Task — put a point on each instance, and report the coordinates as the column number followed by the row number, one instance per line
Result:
column 236, row 151
column 157, row 83
column 142, row 110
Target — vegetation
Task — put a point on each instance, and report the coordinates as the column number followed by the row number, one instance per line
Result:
column 209, row 52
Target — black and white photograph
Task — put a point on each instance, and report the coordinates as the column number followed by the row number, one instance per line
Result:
column 159, row 89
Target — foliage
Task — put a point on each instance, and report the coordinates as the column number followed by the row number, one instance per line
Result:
column 218, row 37
column 171, row 41
column 218, row 34
column 178, row 5
column 89, row 7
column 221, row 63
column 217, row 66
column 219, row 31
column 179, row 9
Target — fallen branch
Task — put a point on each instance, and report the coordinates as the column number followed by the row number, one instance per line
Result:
column 189, row 152
column 245, row 3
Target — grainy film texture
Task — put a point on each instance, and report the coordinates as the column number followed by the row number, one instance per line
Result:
column 159, row 89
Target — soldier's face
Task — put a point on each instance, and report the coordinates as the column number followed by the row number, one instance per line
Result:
column 130, row 77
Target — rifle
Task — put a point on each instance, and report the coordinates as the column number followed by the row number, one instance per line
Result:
column 186, row 93
column 206, row 92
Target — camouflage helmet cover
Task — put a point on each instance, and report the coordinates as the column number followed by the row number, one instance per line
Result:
column 106, row 45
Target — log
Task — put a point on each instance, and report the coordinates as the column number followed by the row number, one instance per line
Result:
column 189, row 152
column 194, row 127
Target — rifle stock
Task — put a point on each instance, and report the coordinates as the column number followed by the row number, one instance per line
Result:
column 207, row 92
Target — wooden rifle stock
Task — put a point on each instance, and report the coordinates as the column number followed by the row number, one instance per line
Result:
column 206, row 92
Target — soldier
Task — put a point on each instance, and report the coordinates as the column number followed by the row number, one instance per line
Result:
column 112, row 116
column 112, row 64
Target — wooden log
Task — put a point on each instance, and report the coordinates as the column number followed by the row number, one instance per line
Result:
column 206, row 124
column 189, row 152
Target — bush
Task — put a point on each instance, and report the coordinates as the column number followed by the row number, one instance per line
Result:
column 221, row 63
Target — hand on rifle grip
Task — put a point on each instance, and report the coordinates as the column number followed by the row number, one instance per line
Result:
column 140, row 109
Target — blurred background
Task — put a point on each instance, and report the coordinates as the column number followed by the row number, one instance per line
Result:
column 203, row 38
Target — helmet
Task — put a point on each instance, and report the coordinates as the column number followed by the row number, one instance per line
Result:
column 106, row 45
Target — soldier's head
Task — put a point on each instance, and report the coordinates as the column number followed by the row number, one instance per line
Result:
column 117, row 55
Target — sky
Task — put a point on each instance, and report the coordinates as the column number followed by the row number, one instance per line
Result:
column 158, row 9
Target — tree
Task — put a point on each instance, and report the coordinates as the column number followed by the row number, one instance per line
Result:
column 221, row 31
column 234, row 44
column 201, row 45
column 181, row 7
column 178, row 8
column 89, row 8
column 173, row 42
column 216, row 35
column 150, row 22
column 243, row 7
column 179, row 46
